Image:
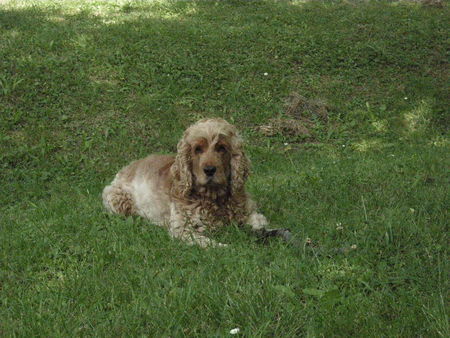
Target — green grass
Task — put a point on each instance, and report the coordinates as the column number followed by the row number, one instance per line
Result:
column 87, row 86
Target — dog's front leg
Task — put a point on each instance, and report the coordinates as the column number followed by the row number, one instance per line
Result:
column 259, row 224
column 192, row 237
column 184, row 228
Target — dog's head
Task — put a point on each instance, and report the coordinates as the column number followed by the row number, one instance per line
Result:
column 210, row 158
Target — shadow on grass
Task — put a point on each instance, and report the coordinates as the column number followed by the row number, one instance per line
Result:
column 84, row 85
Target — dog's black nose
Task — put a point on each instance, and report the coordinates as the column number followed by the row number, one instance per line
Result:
column 209, row 170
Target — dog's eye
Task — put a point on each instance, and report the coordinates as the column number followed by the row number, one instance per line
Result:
column 221, row 149
column 198, row 149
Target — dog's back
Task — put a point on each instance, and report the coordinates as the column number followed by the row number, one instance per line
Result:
column 142, row 188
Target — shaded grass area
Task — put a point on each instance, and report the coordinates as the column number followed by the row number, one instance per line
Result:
column 85, row 87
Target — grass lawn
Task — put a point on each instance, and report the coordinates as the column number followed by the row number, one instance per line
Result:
column 88, row 86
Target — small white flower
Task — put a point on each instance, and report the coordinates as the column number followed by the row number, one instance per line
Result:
column 265, row 74
column 343, row 146
column 286, row 143
column 406, row 98
column 354, row 246
column 235, row 331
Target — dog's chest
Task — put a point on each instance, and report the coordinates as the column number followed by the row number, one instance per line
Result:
column 212, row 215
column 215, row 215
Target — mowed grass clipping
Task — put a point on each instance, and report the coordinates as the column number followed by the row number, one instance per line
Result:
column 88, row 86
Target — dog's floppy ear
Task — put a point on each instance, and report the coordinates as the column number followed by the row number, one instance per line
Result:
column 182, row 170
column 240, row 166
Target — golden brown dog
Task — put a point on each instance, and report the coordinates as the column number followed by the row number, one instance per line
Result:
column 202, row 187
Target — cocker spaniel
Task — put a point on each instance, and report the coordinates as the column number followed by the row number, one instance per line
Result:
column 201, row 188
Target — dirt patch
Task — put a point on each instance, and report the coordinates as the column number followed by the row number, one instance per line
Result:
column 289, row 127
column 430, row 3
column 299, row 107
column 303, row 117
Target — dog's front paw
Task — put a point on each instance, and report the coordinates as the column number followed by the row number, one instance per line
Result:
column 205, row 242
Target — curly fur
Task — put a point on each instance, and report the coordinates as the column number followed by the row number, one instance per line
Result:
column 176, row 193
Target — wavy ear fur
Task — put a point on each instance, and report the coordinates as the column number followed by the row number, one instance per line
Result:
column 182, row 170
column 240, row 167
